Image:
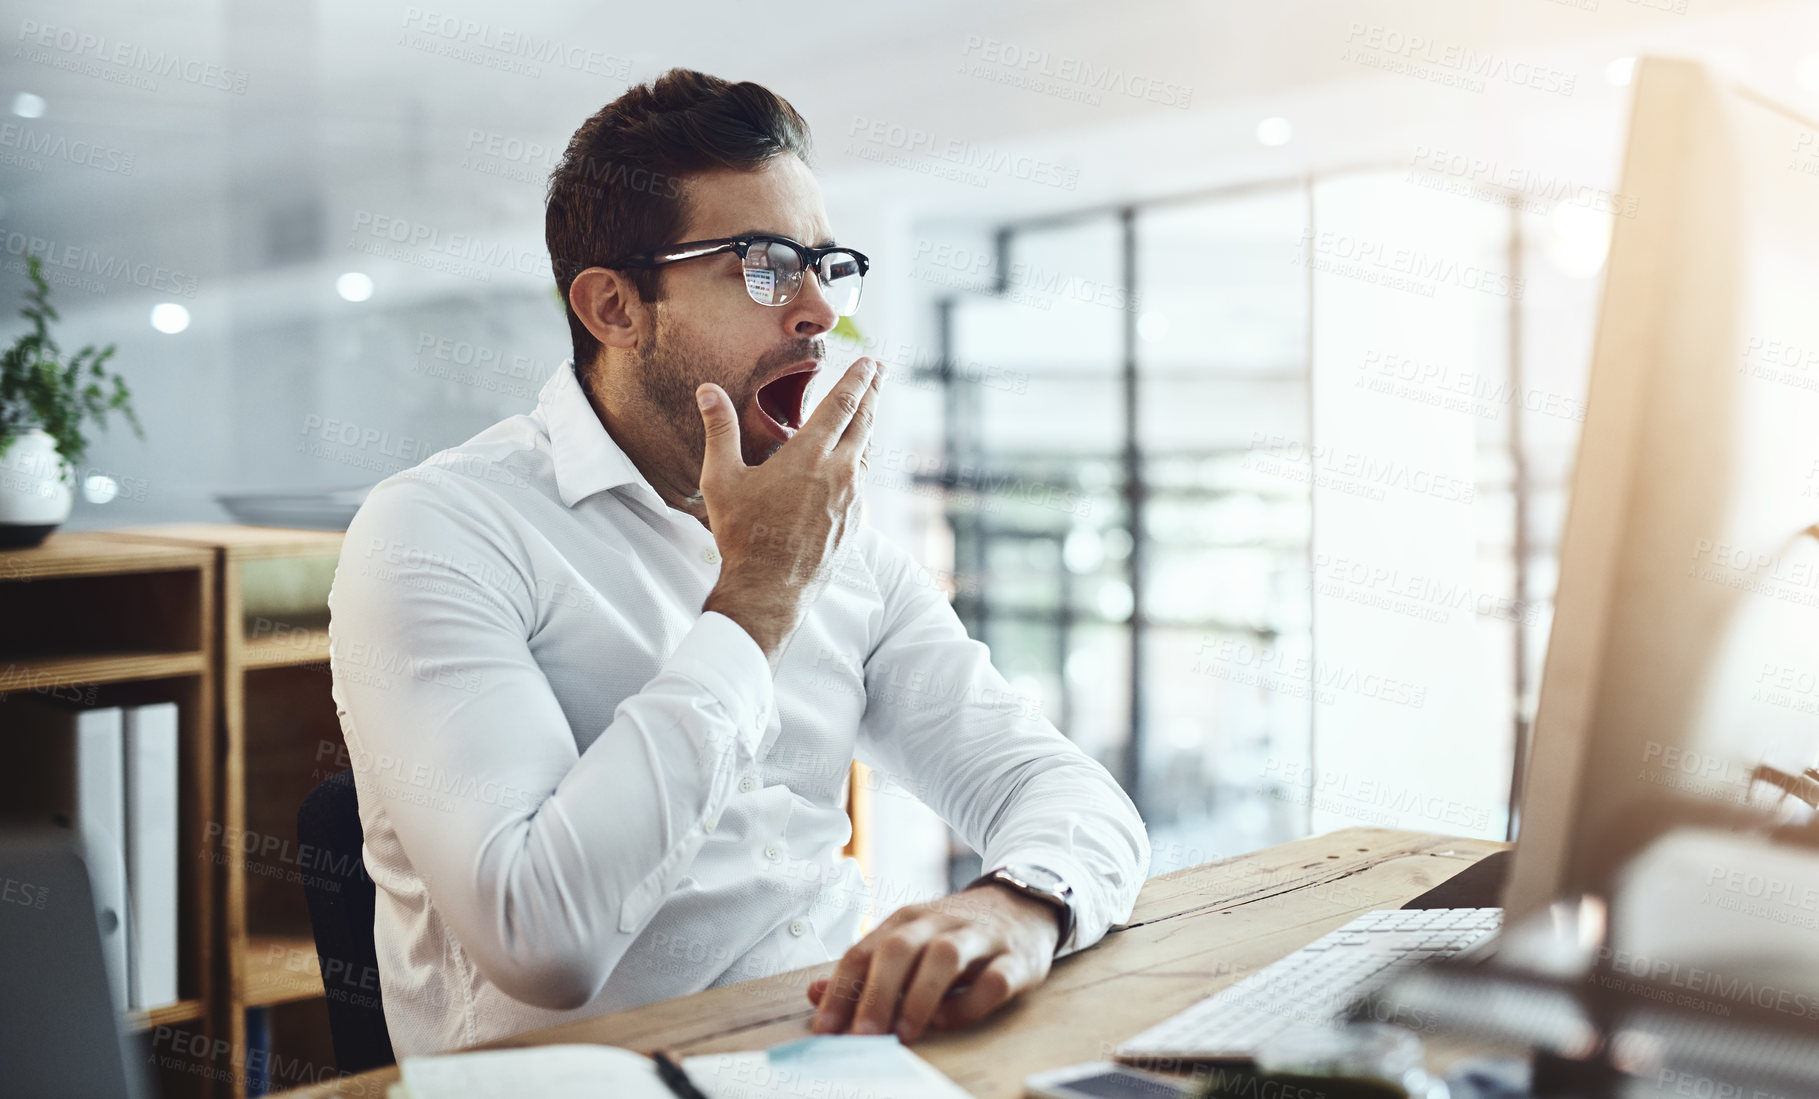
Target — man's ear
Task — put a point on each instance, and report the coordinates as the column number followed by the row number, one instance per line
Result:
column 609, row 307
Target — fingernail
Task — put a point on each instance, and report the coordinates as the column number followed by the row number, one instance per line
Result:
column 903, row 1033
column 705, row 398
column 866, row 1026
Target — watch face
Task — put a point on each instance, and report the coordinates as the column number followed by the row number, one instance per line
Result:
column 1039, row 876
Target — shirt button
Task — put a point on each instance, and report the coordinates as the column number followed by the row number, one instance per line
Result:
column 747, row 784
column 797, row 927
column 772, row 853
column 708, row 827
column 710, row 555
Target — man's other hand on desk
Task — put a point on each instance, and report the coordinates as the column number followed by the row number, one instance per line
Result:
column 985, row 944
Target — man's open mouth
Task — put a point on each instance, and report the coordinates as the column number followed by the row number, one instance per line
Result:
column 782, row 399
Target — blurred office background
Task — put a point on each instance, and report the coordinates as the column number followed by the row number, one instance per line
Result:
column 1241, row 348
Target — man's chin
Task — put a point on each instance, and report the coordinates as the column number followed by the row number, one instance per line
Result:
column 757, row 436
column 759, row 451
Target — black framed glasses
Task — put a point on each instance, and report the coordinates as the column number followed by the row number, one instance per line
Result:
column 774, row 267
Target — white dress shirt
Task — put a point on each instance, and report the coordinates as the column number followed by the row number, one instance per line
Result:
column 581, row 794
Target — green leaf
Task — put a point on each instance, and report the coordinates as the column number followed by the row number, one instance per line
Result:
column 39, row 388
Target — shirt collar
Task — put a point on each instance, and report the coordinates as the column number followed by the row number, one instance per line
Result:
column 587, row 458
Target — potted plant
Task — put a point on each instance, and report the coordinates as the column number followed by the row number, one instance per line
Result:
column 44, row 400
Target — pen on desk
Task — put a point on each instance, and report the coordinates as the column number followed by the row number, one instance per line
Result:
column 674, row 1078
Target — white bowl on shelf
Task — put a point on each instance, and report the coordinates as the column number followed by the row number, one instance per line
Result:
column 326, row 509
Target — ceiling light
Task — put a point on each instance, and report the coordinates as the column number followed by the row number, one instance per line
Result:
column 169, row 318
column 99, row 488
column 1275, row 131
column 354, row 286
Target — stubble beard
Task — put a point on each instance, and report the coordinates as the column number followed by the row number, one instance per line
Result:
column 671, row 368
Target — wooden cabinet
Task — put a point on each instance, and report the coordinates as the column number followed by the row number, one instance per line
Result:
column 278, row 737
column 100, row 621
column 232, row 622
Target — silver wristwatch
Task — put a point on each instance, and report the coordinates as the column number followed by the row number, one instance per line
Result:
column 1043, row 884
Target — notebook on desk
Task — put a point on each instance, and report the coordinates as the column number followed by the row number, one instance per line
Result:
column 876, row 1067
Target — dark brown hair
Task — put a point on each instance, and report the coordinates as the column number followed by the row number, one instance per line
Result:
column 619, row 189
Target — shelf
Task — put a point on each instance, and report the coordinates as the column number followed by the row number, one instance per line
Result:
column 236, row 541
column 183, row 1011
column 80, row 668
column 66, row 554
column 289, row 650
column 280, row 969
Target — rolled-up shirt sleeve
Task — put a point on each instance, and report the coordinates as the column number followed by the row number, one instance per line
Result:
column 941, row 719
column 545, row 861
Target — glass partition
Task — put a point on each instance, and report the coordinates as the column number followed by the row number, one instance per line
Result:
column 1242, row 483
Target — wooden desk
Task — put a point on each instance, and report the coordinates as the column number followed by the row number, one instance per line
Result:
column 1193, row 932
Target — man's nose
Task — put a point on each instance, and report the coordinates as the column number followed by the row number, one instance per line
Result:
column 810, row 313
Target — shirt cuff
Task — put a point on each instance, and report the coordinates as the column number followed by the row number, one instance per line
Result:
column 718, row 654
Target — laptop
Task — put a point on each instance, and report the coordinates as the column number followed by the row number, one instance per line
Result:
column 61, row 1031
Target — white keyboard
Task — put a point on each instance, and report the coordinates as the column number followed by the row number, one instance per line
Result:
column 1314, row 984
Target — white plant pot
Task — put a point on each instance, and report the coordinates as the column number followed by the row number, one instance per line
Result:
column 35, row 486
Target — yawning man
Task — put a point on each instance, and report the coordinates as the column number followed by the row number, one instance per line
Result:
column 603, row 668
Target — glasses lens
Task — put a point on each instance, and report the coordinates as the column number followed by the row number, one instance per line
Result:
column 840, row 281
column 773, row 273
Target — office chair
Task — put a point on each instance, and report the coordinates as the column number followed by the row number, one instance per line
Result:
column 341, row 900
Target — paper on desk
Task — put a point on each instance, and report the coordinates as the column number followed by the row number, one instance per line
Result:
column 538, row 1072
column 815, row 1068
column 811, row 1068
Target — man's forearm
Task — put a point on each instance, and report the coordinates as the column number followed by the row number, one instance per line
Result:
column 760, row 606
column 1101, row 850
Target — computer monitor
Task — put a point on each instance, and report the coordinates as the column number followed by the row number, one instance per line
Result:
column 1685, row 639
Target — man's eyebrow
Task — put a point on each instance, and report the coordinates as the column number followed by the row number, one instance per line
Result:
column 828, row 243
